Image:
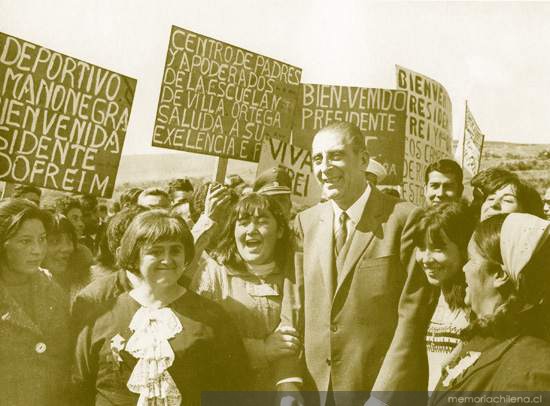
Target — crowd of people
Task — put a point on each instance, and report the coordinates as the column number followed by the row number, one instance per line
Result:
column 166, row 295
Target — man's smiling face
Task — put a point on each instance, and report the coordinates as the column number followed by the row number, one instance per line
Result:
column 339, row 169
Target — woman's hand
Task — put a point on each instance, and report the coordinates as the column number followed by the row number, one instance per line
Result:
column 282, row 342
column 215, row 204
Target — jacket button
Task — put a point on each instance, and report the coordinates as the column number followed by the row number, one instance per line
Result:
column 40, row 348
column 333, row 328
column 328, row 361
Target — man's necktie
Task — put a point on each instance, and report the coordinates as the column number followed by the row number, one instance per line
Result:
column 341, row 233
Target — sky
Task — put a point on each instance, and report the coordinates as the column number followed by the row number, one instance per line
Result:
column 494, row 55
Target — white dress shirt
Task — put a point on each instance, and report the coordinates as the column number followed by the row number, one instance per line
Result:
column 354, row 212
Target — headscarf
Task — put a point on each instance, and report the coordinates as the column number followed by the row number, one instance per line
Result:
column 521, row 237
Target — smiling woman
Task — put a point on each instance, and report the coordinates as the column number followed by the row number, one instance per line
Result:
column 441, row 239
column 145, row 345
column 247, row 279
column 34, row 312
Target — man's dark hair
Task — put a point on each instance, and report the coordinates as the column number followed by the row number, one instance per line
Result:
column 130, row 196
column 64, row 204
column 446, row 166
column 183, row 184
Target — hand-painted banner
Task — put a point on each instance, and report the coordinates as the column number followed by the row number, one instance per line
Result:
column 218, row 99
column 428, row 129
column 275, row 153
column 62, row 120
column 472, row 144
column 380, row 114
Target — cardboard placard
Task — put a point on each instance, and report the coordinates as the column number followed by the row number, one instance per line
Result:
column 472, row 144
column 428, row 130
column 218, row 99
column 276, row 153
column 62, row 120
column 380, row 114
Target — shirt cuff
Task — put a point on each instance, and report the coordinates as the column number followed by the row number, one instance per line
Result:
column 292, row 379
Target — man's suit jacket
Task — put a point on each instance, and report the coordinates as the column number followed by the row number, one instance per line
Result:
column 366, row 331
column 518, row 364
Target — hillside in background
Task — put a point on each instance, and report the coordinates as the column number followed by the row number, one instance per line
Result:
column 530, row 161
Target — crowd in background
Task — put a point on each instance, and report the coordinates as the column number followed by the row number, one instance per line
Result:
column 165, row 293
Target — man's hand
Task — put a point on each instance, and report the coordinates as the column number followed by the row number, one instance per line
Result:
column 282, row 342
column 216, row 201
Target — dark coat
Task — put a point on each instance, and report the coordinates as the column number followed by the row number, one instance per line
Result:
column 209, row 354
column 97, row 297
column 365, row 332
column 34, row 352
column 519, row 364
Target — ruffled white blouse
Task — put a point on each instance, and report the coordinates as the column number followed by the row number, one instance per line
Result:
column 149, row 343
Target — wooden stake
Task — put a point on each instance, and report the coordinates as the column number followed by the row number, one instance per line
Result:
column 221, row 169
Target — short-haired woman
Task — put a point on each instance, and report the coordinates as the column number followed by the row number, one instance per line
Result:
column 158, row 343
column 498, row 190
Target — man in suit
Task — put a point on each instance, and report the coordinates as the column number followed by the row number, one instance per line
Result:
column 357, row 298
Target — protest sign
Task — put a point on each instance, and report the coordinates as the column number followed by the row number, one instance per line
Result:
column 62, row 120
column 472, row 144
column 218, row 99
column 428, row 129
column 380, row 114
column 276, row 153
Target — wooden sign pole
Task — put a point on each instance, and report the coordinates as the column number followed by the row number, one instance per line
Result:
column 221, row 169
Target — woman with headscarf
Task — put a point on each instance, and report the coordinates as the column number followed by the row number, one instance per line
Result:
column 34, row 312
column 508, row 289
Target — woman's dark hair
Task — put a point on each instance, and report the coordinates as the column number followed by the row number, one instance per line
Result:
column 150, row 227
column 453, row 220
column 130, row 197
column 251, row 205
column 13, row 213
column 493, row 179
column 522, row 309
column 61, row 225
column 114, row 230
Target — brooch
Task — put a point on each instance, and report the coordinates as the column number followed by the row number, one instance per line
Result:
column 117, row 344
column 461, row 366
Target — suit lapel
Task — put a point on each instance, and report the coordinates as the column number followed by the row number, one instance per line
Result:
column 363, row 235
